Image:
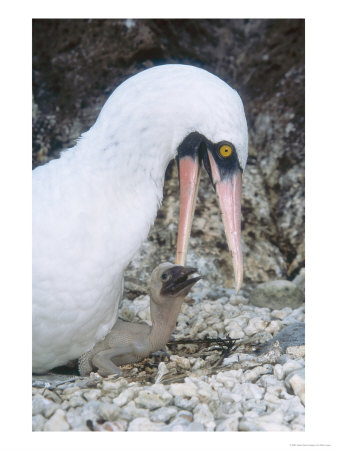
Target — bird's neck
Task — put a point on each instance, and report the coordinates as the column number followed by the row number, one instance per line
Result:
column 164, row 319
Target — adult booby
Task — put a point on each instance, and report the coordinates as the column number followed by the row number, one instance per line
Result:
column 93, row 207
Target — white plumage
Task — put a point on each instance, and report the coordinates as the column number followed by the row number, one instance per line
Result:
column 93, row 207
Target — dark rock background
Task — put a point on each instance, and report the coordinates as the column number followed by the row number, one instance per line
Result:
column 78, row 63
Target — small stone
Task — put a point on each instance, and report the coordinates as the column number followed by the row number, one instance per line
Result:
column 230, row 424
column 203, row 415
column 277, row 294
column 130, row 411
column 144, row 424
column 227, row 396
column 186, row 403
column 181, row 422
column 76, row 400
column 117, row 425
column 92, row 394
column 274, row 326
column 41, row 405
column 299, row 280
column 57, row 422
column 278, row 371
column 291, row 365
column 280, row 314
column 75, row 419
column 38, row 422
column 109, row 411
column 296, row 351
column 151, row 400
column 163, row 414
column 254, row 374
column 255, row 325
column 249, row 390
column 295, row 382
column 183, row 389
column 292, row 335
column 124, row 397
column 184, row 363
column 238, row 300
column 236, row 334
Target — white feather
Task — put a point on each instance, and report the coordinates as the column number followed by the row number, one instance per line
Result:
column 93, row 207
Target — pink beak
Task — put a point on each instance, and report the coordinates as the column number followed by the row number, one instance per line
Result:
column 229, row 194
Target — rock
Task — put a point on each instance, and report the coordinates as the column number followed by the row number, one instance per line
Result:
column 130, row 411
column 151, row 400
column 188, row 403
column 144, row 424
column 124, row 397
column 278, row 371
column 238, row 300
column 203, row 415
column 109, row 411
column 184, row 363
column 280, row 313
column 183, row 389
column 296, row 351
column 277, row 294
column 163, row 414
column 38, row 422
column 255, row 373
column 299, row 280
column 43, row 406
column 117, row 425
column 255, row 325
column 57, row 422
column 230, row 424
column 291, row 335
column 295, row 382
column 182, row 422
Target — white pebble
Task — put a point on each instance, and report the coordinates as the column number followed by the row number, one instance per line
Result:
column 278, row 371
column 274, row 327
column 297, row 351
column 203, row 415
column 184, row 363
column 230, row 424
column 38, row 422
column 254, row 325
column 163, row 414
column 291, row 365
column 238, row 300
column 183, row 389
column 124, row 397
column 151, row 400
column 253, row 374
column 143, row 424
column 57, row 422
column 186, row 403
column 280, row 313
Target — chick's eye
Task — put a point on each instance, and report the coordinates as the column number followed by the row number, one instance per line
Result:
column 164, row 276
column 225, row 150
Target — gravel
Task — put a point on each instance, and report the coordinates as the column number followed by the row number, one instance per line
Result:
column 258, row 385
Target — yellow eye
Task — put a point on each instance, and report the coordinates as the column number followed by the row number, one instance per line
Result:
column 225, row 150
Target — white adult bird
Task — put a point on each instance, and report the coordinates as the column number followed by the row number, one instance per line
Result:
column 93, row 207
